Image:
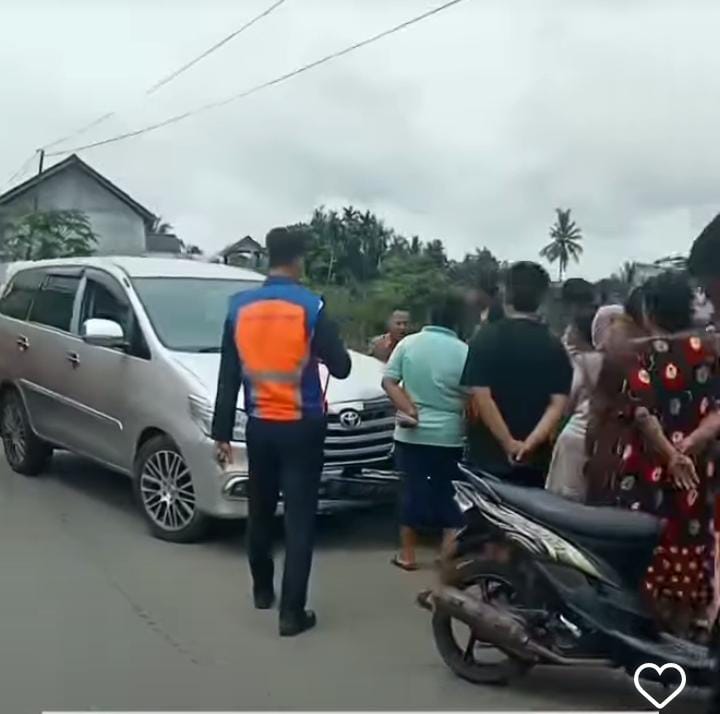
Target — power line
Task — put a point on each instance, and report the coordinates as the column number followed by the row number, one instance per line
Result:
column 170, row 77
column 81, row 130
column 212, row 49
column 264, row 85
column 22, row 169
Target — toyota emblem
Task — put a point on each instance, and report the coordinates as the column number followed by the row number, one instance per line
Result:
column 350, row 419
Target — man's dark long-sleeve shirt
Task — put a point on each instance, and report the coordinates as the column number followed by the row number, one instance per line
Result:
column 261, row 351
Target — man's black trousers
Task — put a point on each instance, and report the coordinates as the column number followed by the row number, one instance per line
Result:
column 284, row 457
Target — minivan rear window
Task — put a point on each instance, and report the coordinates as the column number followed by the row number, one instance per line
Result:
column 188, row 314
column 53, row 305
column 19, row 295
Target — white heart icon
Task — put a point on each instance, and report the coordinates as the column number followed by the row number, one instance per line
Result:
column 670, row 665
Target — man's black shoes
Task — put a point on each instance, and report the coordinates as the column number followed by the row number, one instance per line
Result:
column 264, row 599
column 291, row 625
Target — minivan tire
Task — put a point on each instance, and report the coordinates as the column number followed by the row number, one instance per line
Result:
column 151, row 486
column 25, row 452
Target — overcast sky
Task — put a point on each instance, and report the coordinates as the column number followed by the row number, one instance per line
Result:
column 470, row 127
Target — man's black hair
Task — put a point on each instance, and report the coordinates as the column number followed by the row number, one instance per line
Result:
column 448, row 310
column 704, row 260
column 669, row 301
column 635, row 305
column 527, row 284
column 577, row 292
column 284, row 247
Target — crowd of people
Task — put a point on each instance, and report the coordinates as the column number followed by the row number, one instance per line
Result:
column 623, row 410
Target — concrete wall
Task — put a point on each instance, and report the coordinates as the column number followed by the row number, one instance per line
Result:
column 119, row 229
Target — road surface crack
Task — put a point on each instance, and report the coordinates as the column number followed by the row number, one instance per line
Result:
column 139, row 611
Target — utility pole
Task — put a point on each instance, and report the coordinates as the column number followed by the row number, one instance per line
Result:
column 41, row 162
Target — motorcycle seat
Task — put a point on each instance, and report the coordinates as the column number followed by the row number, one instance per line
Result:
column 603, row 523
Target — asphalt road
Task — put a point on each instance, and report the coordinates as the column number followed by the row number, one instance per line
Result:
column 95, row 614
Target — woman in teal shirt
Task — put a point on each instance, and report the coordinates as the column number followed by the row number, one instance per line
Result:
column 422, row 378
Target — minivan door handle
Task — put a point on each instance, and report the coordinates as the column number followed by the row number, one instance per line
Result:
column 22, row 342
column 73, row 358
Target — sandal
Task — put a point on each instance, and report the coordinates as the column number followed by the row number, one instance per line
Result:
column 407, row 567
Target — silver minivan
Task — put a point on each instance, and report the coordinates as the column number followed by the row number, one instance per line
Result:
column 116, row 359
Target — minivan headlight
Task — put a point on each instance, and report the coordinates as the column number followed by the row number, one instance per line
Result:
column 201, row 412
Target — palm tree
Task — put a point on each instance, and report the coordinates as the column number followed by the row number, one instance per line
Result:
column 565, row 244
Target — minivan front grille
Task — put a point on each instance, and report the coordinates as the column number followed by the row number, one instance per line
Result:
column 359, row 435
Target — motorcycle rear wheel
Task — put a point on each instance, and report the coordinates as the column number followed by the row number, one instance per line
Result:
column 494, row 583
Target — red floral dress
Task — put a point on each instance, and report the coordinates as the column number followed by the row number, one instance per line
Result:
column 675, row 379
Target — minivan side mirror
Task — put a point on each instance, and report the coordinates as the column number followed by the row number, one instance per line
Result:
column 103, row 333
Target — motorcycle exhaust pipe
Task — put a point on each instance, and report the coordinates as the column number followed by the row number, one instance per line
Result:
column 488, row 623
column 493, row 625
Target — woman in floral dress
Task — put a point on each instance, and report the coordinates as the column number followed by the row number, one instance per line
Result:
column 653, row 454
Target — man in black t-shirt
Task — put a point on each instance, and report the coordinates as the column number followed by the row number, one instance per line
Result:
column 520, row 376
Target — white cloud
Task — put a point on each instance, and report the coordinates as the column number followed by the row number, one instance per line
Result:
column 472, row 126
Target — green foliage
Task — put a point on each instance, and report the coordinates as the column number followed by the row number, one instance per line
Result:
column 476, row 268
column 49, row 234
column 411, row 282
column 434, row 251
column 565, row 242
column 365, row 270
column 346, row 247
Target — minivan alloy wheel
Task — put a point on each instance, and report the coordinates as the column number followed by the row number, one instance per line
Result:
column 167, row 491
column 25, row 451
column 13, row 433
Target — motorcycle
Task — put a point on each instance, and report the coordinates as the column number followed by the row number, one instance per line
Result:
column 539, row 580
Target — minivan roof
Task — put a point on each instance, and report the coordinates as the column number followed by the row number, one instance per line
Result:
column 139, row 267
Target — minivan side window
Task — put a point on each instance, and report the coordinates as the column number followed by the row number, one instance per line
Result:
column 100, row 302
column 53, row 305
column 104, row 299
column 19, row 295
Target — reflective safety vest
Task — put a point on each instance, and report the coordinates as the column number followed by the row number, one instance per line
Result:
column 273, row 329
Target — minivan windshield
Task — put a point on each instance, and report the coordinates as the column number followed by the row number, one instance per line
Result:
column 188, row 313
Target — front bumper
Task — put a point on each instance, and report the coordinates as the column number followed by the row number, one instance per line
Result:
column 343, row 489
column 225, row 496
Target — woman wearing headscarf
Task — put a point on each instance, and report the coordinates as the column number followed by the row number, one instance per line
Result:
column 566, row 476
